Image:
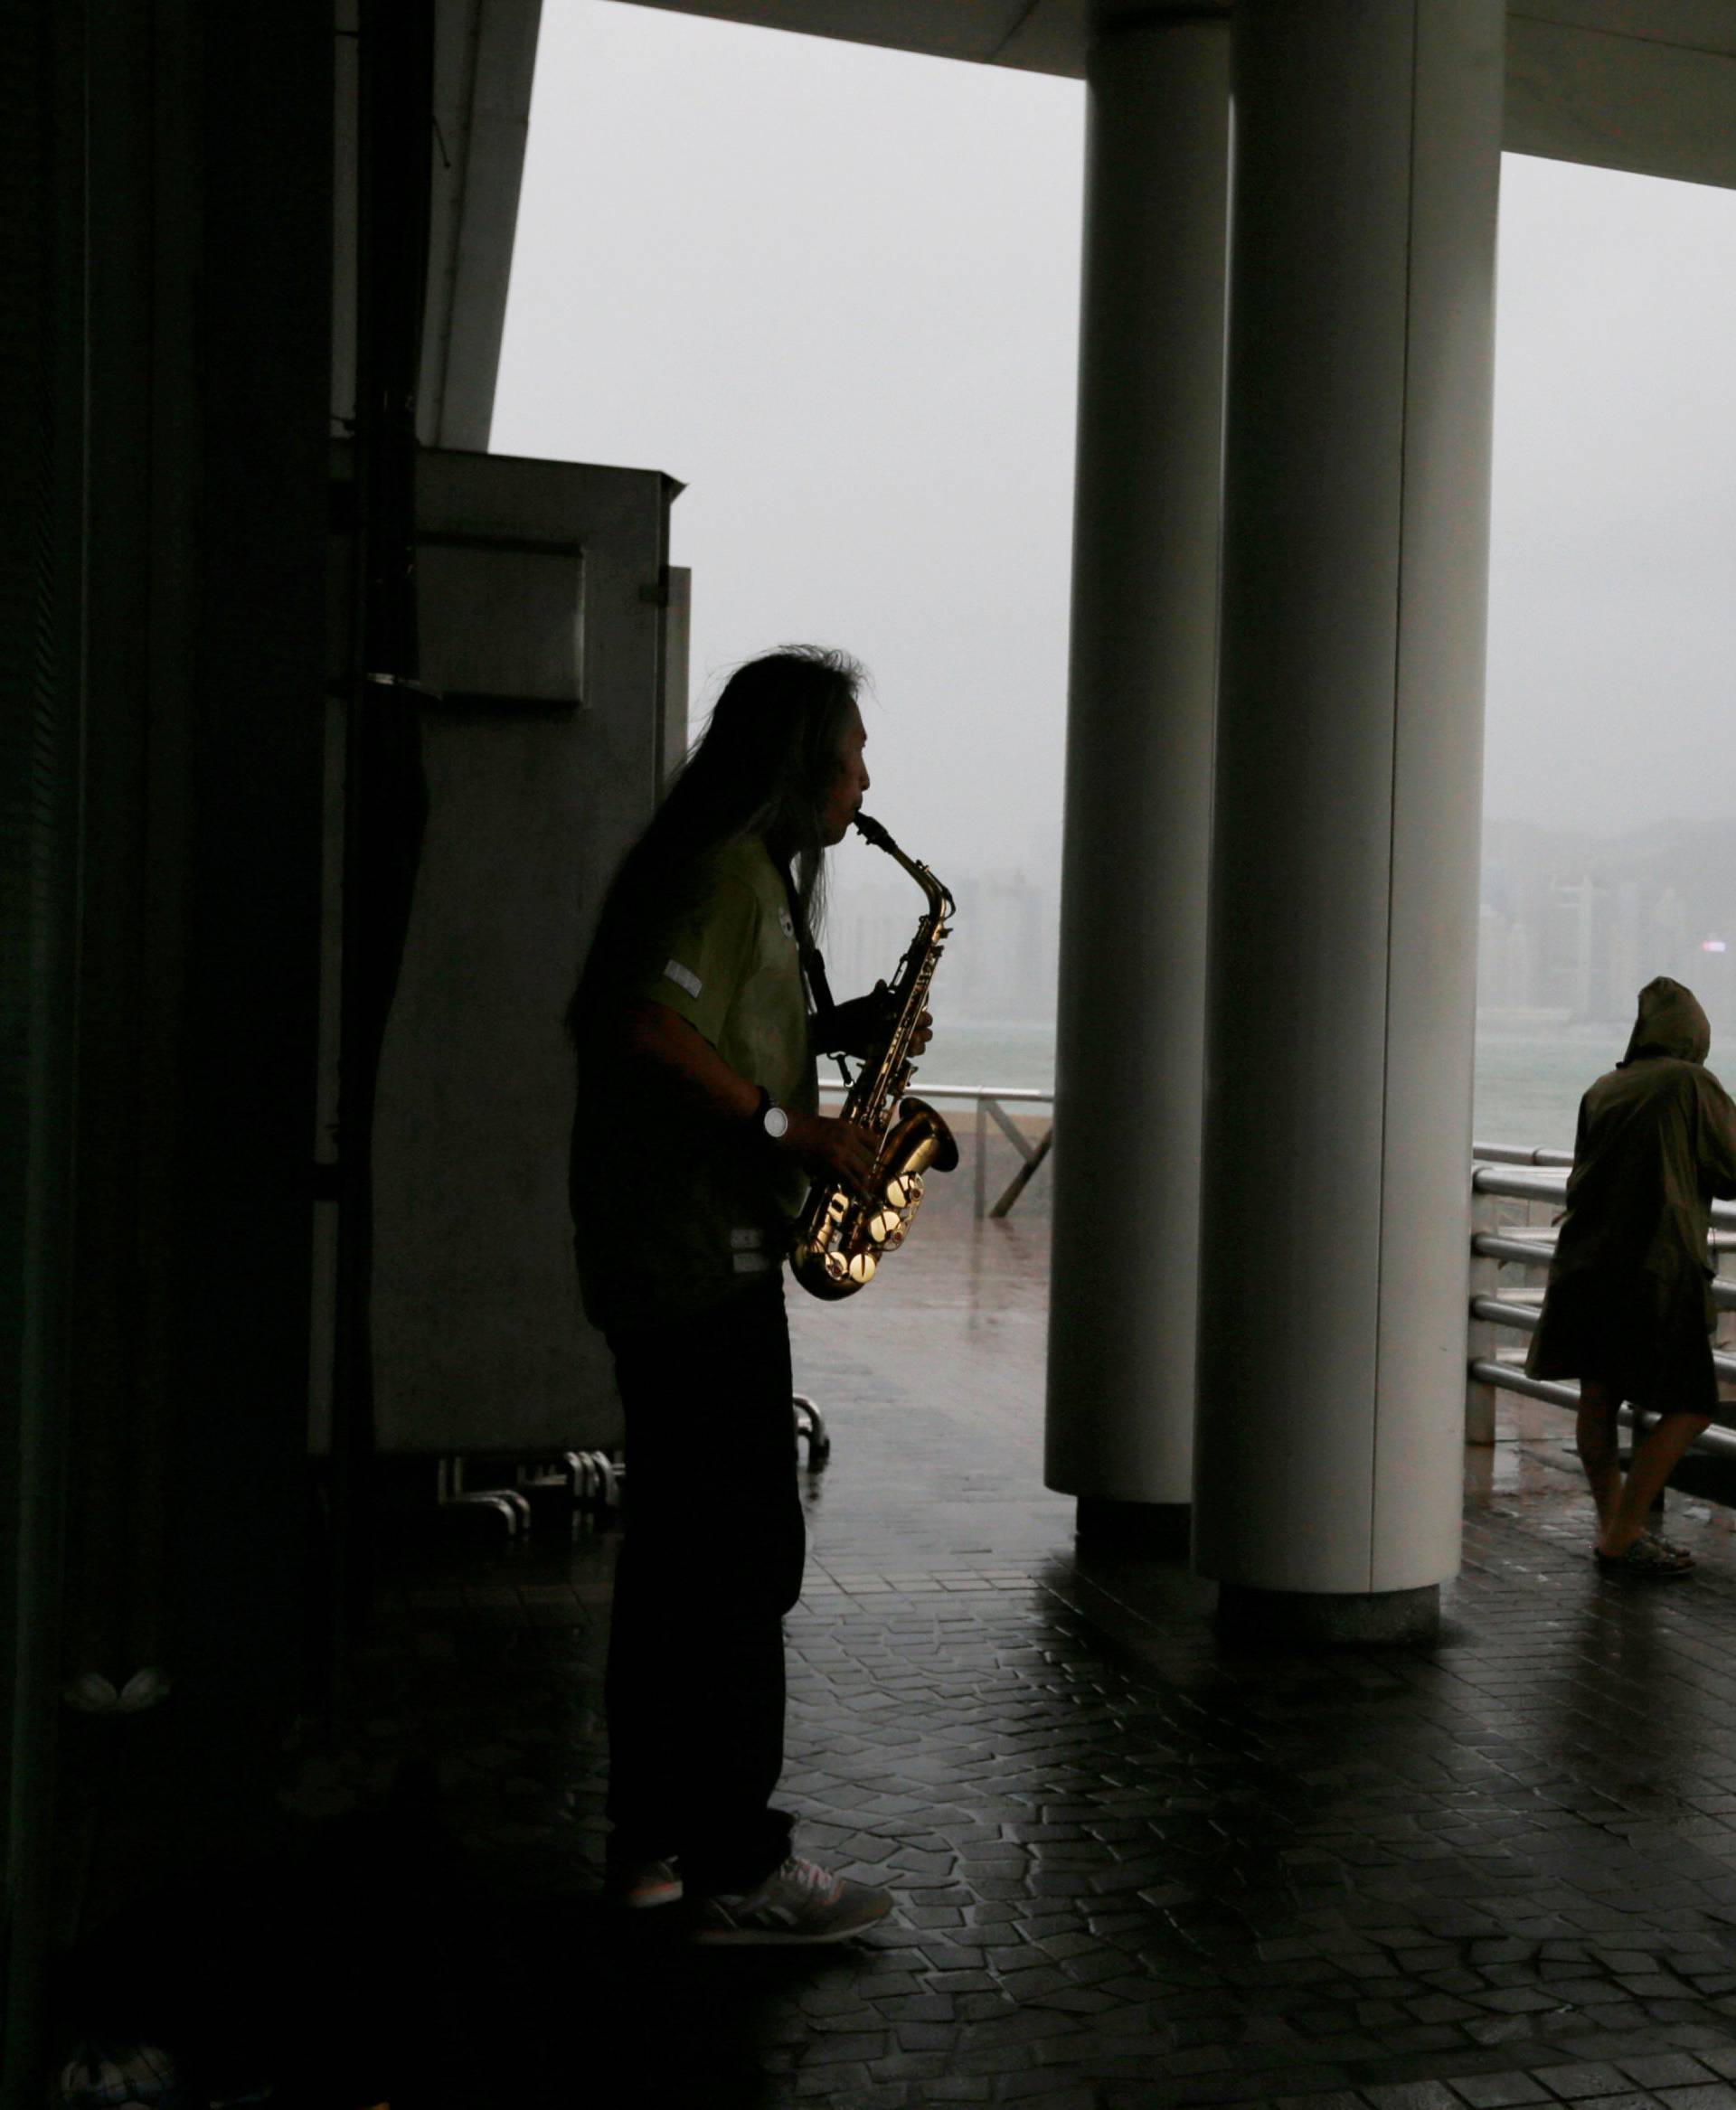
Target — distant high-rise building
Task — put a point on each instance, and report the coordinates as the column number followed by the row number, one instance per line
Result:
column 1570, row 975
column 1000, row 964
column 1522, row 967
column 1667, row 936
column 867, row 931
column 1492, row 960
column 1625, row 949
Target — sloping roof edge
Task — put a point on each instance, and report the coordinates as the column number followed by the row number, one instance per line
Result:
column 1647, row 85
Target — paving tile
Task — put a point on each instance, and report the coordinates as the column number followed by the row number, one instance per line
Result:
column 1411, row 2095
column 1584, row 2078
column 1495, row 2091
column 1636, row 2099
column 1331, row 2099
column 1663, row 2071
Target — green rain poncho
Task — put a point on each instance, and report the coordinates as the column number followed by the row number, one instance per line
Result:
column 1629, row 1298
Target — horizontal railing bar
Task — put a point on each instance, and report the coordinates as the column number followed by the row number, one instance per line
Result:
column 1527, row 1252
column 1491, row 1246
column 1538, row 1246
column 1005, row 1093
column 1520, row 1153
column 1531, row 1185
column 1506, row 1377
column 1550, row 1185
column 1720, row 1438
column 1514, row 1242
column 1526, row 1318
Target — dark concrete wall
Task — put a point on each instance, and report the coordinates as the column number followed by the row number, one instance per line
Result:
column 209, row 255
column 165, row 269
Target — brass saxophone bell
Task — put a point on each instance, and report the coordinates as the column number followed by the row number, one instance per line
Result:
column 942, row 1154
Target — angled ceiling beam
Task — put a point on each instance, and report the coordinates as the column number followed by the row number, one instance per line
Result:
column 484, row 62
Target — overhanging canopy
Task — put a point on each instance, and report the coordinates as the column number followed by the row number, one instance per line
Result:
column 1647, row 86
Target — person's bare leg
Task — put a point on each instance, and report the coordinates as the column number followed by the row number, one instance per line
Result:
column 1599, row 1444
column 1653, row 1462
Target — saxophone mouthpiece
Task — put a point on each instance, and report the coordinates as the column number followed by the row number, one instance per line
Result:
column 871, row 831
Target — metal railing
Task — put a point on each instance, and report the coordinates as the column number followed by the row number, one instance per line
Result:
column 1508, row 1172
column 991, row 1102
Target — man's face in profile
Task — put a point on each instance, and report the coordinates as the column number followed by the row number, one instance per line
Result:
column 849, row 785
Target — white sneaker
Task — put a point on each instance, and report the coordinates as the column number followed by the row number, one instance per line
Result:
column 639, row 1884
column 797, row 1902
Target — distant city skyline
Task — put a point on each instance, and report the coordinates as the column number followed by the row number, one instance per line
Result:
column 1572, row 926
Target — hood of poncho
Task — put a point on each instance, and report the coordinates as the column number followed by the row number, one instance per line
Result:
column 1670, row 1022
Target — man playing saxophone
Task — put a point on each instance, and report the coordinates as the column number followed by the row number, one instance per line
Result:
column 698, row 1132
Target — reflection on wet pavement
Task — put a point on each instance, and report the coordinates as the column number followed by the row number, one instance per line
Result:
column 1134, row 1865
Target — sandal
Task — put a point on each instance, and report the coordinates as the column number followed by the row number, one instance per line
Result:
column 1648, row 1556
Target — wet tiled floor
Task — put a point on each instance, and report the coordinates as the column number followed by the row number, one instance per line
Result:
column 1134, row 1865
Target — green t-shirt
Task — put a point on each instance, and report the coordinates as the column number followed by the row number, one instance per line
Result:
column 672, row 1212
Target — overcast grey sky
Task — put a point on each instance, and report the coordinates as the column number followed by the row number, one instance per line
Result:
column 834, row 289
column 1612, row 613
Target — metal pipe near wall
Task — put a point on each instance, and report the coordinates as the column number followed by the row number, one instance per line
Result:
column 384, row 797
column 43, row 734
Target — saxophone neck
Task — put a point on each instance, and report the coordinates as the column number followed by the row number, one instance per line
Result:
column 940, row 902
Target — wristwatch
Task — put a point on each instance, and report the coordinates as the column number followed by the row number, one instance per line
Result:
column 773, row 1118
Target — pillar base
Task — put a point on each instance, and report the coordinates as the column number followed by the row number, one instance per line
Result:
column 1159, row 1530
column 1310, row 1618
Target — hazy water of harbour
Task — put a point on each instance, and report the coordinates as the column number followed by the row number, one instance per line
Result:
column 1528, row 1085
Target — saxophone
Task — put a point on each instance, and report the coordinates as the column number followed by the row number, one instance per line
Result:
column 841, row 1235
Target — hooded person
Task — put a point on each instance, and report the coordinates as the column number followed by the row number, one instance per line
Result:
column 1628, row 1309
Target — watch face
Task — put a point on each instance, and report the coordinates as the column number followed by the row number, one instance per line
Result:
column 776, row 1123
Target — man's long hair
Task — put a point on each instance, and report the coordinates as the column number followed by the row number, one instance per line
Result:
column 770, row 753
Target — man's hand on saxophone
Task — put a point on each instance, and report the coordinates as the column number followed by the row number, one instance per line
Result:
column 830, row 1149
column 860, row 1028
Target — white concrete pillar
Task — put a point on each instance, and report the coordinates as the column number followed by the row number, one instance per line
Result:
column 1336, row 1220
column 1131, row 1034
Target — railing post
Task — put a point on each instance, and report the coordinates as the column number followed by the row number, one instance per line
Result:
column 982, row 1157
column 1723, row 1333
column 1022, row 1179
column 1481, row 1337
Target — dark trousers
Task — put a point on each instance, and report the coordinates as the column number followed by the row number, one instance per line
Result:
column 711, row 1561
